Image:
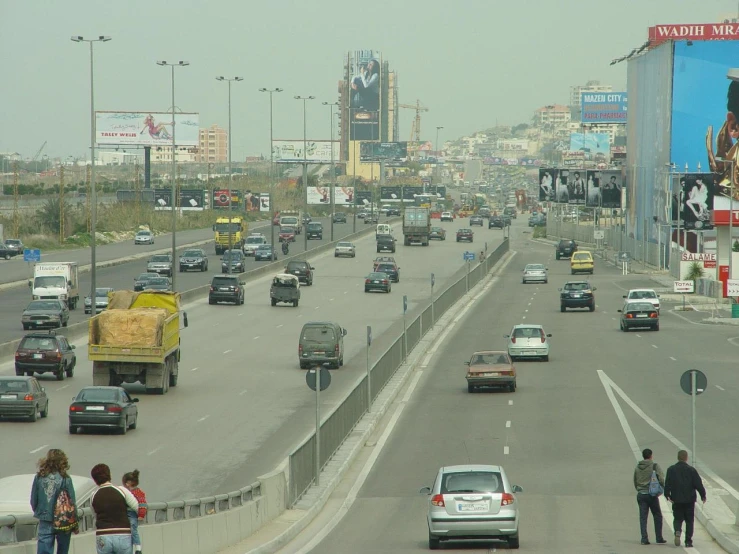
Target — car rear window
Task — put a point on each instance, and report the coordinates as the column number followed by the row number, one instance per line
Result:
column 296, row 265
column 577, row 286
column 643, row 294
column 384, row 268
column 639, row 307
column 44, row 305
column 254, row 240
column 527, row 332
column 344, row 244
column 582, row 256
column 224, row 282
column 471, row 481
column 38, row 343
column 488, row 359
column 14, row 386
column 97, row 395
column 318, row 334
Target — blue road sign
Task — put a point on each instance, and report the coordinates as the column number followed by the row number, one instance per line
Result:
column 469, row 256
column 31, row 255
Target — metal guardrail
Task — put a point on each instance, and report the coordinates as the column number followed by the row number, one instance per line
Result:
column 344, row 418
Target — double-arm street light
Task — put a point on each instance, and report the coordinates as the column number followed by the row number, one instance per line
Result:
column 332, row 173
column 93, row 195
column 271, row 162
column 230, row 174
column 305, row 163
column 173, row 201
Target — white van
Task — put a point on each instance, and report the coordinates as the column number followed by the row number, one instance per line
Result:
column 383, row 229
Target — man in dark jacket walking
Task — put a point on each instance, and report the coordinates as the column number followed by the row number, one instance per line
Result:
column 681, row 484
column 646, row 501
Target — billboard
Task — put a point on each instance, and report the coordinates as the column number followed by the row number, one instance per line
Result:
column 591, row 143
column 391, row 194
column 364, row 95
column 604, row 189
column 220, row 199
column 575, row 186
column 322, row 195
column 547, row 179
column 363, row 198
column 603, row 107
column 317, row 151
column 697, row 200
column 376, row 151
column 704, row 118
column 410, row 192
column 251, row 201
column 189, row 199
column 693, row 31
column 264, row 202
column 146, row 128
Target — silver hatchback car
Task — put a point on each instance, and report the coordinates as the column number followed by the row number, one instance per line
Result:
column 535, row 273
column 528, row 341
column 472, row 502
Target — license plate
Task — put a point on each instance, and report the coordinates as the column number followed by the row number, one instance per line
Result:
column 641, row 315
column 529, row 353
column 491, row 374
column 8, row 397
column 577, row 296
column 38, row 356
column 95, row 408
column 297, row 273
column 319, row 352
column 376, row 282
column 472, row 507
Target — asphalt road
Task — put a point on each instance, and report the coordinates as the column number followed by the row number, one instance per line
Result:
column 14, row 301
column 241, row 404
column 559, row 435
column 472, row 170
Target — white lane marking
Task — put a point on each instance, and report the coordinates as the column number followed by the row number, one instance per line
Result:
column 243, row 392
column 242, row 313
column 364, row 473
column 226, row 351
column 61, row 388
column 316, row 307
column 330, row 299
column 638, row 335
column 673, row 359
column 719, row 387
column 506, row 450
column 194, row 369
column 510, row 402
column 412, row 386
column 655, row 346
column 529, row 303
column 613, row 318
column 524, row 317
column 654, row 425
column 203, row 418
column 346, row 292
column 508, row 424
column 39, row 449
column 280, row 325
column 526, row 311
column 255, row 338
column 157, row 449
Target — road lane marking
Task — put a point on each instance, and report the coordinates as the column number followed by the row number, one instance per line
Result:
column 280, row 325
column 613, row 318
column 330, row 299
column 506, row 450
column 673, row 359
column 316, row 307
column 719, row 388
column 194, row 369
column 510, row 402
column 226, row 351
column 203, row 418
column 638, row 335
column 61, row 388
column 529, row 303
column 255, row 338
column 524, row 317
column 508, row 424
column 526, row 311
column 39, row 449
column 412, row 386
column 157, row 449
column 655, row 346
column 243, row 392
column 346, row 292
column 242, row 313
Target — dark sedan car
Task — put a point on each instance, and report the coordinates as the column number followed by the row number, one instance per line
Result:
column 339, row 217
column 194, row 258
column 45, row 353
column 265, row 252
column 159, row 283
column 139, row 283
column 6, row 252
column 476, row 220
column 16, row 245
column 226, row 288
column 392, row 270
column 371, row 218
column 392, row 211
column 577, row 294
column 465, row 235
column 101, row 300
column 45, row 313
column 233, row 259
column 437, row 233
column 639, row 314
column 22, row 397
column 496, row 222
column 377, row 281
column 103, row 407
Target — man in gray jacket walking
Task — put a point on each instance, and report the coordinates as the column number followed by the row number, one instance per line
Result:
column 645, row 500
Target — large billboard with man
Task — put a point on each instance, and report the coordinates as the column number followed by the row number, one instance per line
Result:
column 146, row 128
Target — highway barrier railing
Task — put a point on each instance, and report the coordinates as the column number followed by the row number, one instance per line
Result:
column 207, row 525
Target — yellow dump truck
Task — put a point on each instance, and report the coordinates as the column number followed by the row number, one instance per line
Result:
column 237, row 227
column 137, row 339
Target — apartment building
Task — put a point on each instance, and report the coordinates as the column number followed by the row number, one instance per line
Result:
column 213, row 145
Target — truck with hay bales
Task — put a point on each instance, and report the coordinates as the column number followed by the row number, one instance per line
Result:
column 137, row 339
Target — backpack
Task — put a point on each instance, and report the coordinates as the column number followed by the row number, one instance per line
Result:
column 655, row 488
column 65, row 512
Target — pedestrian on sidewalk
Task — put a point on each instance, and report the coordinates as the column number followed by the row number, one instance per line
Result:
column 649, row 482
column 681, row 484
column 131, row 482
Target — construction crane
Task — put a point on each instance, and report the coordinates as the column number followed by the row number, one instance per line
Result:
column 416, row 127
column 38, row 152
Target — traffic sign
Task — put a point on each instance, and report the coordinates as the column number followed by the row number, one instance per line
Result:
column 369, row 335
column 624, row 257
column 683, row 287
column 732, row 287
column 433, row 281
column 599, row 234
column 405, row 303
column 468, row 256
column 310, row 378
column 701, row 381
column 31, row 255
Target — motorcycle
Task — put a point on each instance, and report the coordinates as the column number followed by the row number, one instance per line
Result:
column 285, row 248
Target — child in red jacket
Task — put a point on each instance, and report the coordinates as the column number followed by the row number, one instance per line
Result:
column 131, row 482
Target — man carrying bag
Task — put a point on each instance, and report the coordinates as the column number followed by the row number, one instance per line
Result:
column 649, row 482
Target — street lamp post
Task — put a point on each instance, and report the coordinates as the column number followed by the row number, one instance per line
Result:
column 173, row 201
column 271, row 164
column 93, row 195
column 437, row 154
column 333, row 171
column 230, row 173
column 305, row 164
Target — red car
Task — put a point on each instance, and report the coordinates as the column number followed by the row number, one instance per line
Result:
column 465, row 234
column 287, row 234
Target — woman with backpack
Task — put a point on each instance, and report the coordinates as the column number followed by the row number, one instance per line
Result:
column 54, row 503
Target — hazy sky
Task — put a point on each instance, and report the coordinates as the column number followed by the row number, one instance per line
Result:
column 472, row 62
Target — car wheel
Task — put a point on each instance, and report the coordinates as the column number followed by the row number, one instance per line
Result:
column 389, row 289
column 303, row 366
column 243, row 300
column 18, row 372
column 211, row 301
column 512, row 387
column 34, row 415
column 135, row 422
column 366, row 289
column 70, row 371
column 72, row 430
column 60, row 374
column 558, row 256
column 470, row 387
column 182, row 269
column 434, row 542
column 45, row 411
column 591, row 307
column 625, row 328
column 656, row 327
column 562, row 308
column 545, row 358
column 513, row 542
column 124, row 429
column 295, row 303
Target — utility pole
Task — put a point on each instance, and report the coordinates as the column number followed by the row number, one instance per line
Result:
column 333, row 171
column 271, row 165
column 305, row 165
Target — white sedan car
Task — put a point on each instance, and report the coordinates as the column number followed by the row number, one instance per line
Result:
column 345, row 249
column 535, row 273
column 447, row 216
column 144, row 237
column 528, row 341
column 643, row 295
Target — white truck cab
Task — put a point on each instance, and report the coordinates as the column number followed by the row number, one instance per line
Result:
column 56, row 281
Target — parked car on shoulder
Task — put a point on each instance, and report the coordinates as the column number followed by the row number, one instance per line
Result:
column 15, row 245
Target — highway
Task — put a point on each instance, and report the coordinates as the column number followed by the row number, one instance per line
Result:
column 14, row 300
column 567, row 435
column 241, row 404
column 472, row 170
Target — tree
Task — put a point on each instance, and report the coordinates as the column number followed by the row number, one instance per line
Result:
column 695, row 272
column 49, row 214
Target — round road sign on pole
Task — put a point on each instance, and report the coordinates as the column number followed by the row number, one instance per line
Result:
column 310, row 378
column 701, row 381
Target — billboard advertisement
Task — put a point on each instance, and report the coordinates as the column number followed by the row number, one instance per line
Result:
column 697, row 200
column 317, row 151
column 376, row 151
column 363, row 197
column 603, row 107
column 364, row 95
column 548, row 181
column 591, row 143
column 410, row 192
column 264, row 202
column 705, row 119
column 146, row 128
column 220, row 199
column 251, row 201
column 322, row 195
column 692, row 31
column 391, row 194
column 604, row 189
column 575, row 186
column 189, row 199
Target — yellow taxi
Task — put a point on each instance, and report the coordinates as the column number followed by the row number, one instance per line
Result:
column 582, row 262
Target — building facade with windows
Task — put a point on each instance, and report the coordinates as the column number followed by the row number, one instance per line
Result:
column 213, row 145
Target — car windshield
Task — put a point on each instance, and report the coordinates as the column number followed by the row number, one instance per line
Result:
column 436, row 229
column 639, row 307
column 265, row 247
column 345, row 245
column 14, row 386
column 50, row 281
column 146, row 276
column 471, row 481
column 582, row 256
column 97, row 395
column 488, row 359
column 224, row 282
column 102, row 293
column 224, row 227
column 254, row 240
column 292, row 266
column 13, row 242
column 159, row 281
column 527, row 332
column 377, row 276
column 642, row 294
column 192, row 254
column 44, row 305
column 463, row 231
column 385, row 268
column 143, row 233
column 160, row 259
column 318, row 334
column 287, row 229
column 287, row 282
column 233, row 255
column 38, row 343
column 535, row 267
column 577, row 286
column 566, row 243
